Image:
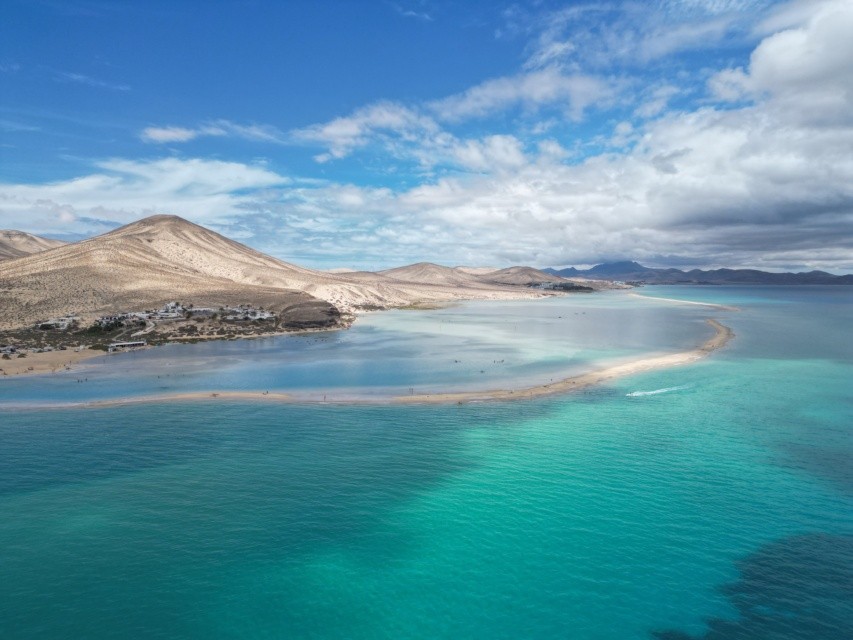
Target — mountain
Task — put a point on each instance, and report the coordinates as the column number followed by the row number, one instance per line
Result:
column 519, row 276
column 16, row 244
column 635, row 272
column 434, row 274
column 477, row 271
column 162, row 258
column 147, row 263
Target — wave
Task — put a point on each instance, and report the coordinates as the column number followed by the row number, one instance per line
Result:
column 635, row 394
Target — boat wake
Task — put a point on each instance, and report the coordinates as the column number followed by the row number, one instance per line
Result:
column 637, row 394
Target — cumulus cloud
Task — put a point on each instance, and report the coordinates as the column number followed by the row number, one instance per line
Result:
column 493, row 152
column 343, row 135
column 802, row 73
column 416, row 132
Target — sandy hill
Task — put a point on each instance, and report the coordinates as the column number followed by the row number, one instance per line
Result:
column 519, row 276
column 477, row 271
column 433, row 274
column 15, row 244
column 145, row 264
column 162, row 258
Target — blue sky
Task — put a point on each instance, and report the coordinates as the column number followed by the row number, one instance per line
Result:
column 375, row 133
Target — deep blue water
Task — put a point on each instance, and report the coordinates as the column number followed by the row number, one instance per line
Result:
column 710, row 501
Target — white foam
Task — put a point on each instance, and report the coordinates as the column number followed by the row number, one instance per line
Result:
column 635, row 394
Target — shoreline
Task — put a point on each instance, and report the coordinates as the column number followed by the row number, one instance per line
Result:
column 57, row 361
column 720, row 339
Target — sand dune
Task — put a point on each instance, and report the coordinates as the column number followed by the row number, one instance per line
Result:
column 16, row 244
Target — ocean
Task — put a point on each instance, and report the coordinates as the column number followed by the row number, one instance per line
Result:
column 709, row 501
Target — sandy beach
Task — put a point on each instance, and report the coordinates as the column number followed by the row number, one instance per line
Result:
column 47, row 362
column 721, row 337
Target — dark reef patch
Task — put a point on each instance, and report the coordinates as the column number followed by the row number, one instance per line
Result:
column 796, row 588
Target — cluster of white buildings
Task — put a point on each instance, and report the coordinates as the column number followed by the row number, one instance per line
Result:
column 175, row 310
column 246, row 312
column 169, row 311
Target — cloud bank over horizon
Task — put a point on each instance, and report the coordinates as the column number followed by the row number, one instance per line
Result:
column 698, row 133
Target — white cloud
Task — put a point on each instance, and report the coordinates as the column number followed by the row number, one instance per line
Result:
column 787, row 15
column 656, row 101
column 415, row 132
column 362, row 127
column 124, row 190
column 574, row 92
column 607, row 35
column 729, row 85
column 411, row 13
column 803, row 72
column 170, row 134
column 491, row 153
column 79, row 78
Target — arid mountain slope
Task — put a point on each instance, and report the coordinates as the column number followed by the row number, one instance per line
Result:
column 143, row 265
column 16, row 244
column 477, row 271
column 161, row 258
column 519, row 276
column 434, row 274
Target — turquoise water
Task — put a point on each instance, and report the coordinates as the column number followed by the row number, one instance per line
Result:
column 708, row 501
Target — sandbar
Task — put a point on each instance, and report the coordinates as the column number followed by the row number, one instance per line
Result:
column 721, row 337
column 713, row 305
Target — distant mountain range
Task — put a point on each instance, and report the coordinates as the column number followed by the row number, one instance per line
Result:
column 635, row 272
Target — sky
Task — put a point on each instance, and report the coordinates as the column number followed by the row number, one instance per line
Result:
column 375, row 133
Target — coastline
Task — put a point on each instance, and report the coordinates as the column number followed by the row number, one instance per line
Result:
column 720, row 339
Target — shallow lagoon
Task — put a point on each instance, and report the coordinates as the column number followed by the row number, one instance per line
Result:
column 467, row 346
column 721, row 508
